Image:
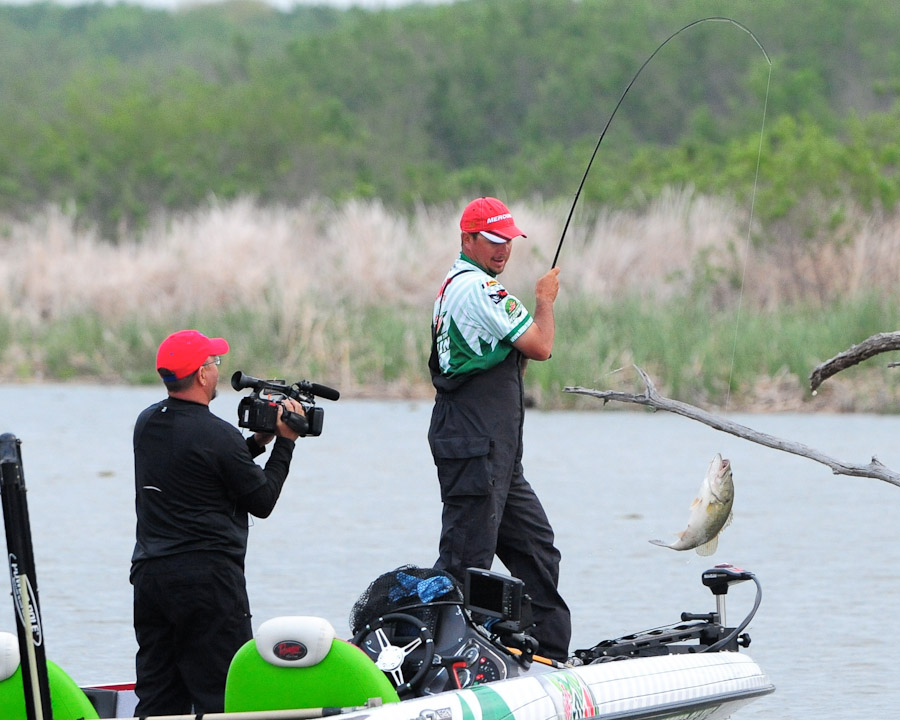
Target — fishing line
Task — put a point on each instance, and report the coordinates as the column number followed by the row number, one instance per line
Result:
column 737, row 320
column 622, row 98
column 755, row 178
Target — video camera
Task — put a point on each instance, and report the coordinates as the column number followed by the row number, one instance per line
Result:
column 258, row 411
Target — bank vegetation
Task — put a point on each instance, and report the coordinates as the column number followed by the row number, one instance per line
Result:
column 292, row 180
column 342, row 295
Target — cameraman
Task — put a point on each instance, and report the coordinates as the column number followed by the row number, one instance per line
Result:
column 195, row 484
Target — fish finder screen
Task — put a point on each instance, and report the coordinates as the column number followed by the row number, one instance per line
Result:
column 493, row 594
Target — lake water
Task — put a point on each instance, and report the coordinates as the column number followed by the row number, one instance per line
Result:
column 362, row 499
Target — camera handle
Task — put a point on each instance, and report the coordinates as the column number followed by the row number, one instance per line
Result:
column 295, row 421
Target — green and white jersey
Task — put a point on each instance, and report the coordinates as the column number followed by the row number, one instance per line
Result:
column 476, row 321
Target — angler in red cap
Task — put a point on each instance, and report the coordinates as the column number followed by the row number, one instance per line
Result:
column 195, row 484
column 482, row 336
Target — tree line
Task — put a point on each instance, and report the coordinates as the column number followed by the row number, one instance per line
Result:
column 116, row 112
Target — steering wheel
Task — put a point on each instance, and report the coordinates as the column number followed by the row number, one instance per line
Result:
column 376, row 641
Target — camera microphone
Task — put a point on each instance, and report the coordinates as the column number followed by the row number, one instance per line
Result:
column 242, row 381
column 322, row 391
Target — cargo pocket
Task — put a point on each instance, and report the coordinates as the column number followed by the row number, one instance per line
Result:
column 463, row 465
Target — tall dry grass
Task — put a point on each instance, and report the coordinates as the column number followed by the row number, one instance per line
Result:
column 366, row 254
column 321, row 282
column 318, row 254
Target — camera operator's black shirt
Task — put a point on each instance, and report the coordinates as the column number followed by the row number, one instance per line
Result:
column 196, row 481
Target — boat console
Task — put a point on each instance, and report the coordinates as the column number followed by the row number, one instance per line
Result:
column 460, row 640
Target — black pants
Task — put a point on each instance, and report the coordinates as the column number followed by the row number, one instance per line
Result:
column 191, row 615
column 489, row 507
column 475, row 529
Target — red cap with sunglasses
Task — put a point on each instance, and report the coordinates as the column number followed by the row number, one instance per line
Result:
column 184, row 352
column 490, row 217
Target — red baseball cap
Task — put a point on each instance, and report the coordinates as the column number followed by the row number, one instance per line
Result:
column 183, row 352
column 491, row 218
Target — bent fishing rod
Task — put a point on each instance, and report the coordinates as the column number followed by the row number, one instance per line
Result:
column 622, row 98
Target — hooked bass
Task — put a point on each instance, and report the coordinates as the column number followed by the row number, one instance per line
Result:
column 710, row 511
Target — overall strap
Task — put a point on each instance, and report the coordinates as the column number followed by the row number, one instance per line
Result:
column 433, row 363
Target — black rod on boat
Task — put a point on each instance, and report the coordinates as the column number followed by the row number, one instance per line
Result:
column 20, row 554
column 298, row 714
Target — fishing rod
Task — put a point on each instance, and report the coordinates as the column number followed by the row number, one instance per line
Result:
column 298, row 714
column 618, row 104
column 20, row 556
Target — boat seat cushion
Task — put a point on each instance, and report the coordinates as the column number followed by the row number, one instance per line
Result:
column 297, row 662
column 294, row 641
column 67, row 700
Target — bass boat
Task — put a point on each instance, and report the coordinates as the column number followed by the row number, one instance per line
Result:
column 423, row 648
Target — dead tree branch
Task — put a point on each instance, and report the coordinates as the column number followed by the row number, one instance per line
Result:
column 651, row 398
column 882, row 342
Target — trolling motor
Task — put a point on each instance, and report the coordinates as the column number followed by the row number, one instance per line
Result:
column 718, row 580
column 708, row 630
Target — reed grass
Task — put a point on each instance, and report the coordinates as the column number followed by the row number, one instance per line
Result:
column 342, row 295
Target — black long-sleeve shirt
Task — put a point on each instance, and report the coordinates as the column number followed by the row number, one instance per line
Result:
column 196, row 481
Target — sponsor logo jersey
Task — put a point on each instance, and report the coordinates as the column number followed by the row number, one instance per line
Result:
column 475, row 321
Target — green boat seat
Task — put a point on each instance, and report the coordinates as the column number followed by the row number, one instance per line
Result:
column 67, row 700
column 298, row 662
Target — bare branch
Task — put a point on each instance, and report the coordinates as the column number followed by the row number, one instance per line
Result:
column 882, row 342
column 651, row 398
